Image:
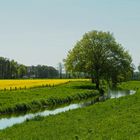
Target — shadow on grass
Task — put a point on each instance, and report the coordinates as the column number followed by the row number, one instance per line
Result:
column 85, row 87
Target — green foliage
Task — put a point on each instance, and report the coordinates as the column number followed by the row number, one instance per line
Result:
column 99, row 55
column 114, row 119
column 42, row 71
column 10, row 69
column 22, row 70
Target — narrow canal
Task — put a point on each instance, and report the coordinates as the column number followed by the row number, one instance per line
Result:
column 10, row 121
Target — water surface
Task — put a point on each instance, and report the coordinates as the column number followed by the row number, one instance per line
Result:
column 116, row 93
column 10, row 121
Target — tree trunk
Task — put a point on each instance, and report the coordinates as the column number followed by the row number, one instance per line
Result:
column 97, row 83
column 97, row 80
column 92, row 78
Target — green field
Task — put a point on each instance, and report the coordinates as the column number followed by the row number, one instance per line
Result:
column 131, row 85
column 114, row 119
column 31, row 99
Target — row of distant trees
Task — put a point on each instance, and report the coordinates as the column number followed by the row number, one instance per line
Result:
column 136, row 74
column 10, row 69
column 42, row 71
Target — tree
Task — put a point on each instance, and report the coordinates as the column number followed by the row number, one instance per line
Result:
column 139, row 67
column 60, row 67
column 10, row 69
column 42, row 71
column 22, row 71
column 99, row 55
column 14, row 69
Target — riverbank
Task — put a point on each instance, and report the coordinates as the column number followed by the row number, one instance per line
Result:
column 131, row 85
column 38, row 98
column 113, row 119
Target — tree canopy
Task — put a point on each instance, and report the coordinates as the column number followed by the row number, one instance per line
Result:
column 99, row 55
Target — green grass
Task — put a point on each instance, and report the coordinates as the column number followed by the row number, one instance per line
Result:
column 114, row 119
column 132, row 85
column 23, row 100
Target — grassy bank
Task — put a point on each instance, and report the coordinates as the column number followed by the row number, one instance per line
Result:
column 115, row 119
column 30, row 99
column 131, row 85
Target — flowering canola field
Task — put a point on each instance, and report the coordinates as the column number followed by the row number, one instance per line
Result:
column 31, row 83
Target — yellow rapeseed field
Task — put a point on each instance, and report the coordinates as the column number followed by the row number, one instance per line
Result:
column 30, row 83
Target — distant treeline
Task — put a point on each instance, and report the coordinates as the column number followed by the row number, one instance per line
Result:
column 10, row 69
column 136, row 74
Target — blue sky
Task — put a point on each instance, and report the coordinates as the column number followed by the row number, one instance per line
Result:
column 43, row 31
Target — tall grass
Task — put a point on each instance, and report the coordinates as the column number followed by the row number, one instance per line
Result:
column 32, row 99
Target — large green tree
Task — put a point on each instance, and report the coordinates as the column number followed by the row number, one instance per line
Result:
column 99, row 55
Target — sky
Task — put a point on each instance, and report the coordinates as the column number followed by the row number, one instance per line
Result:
column 42, row 32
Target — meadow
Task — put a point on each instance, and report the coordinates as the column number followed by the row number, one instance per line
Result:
column 40, row 97
column 114, row 119
column 131, row 85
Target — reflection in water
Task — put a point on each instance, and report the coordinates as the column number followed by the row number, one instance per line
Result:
column 7, row 122
column 119, row 93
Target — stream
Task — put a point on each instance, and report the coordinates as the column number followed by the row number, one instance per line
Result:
column 10, row 121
